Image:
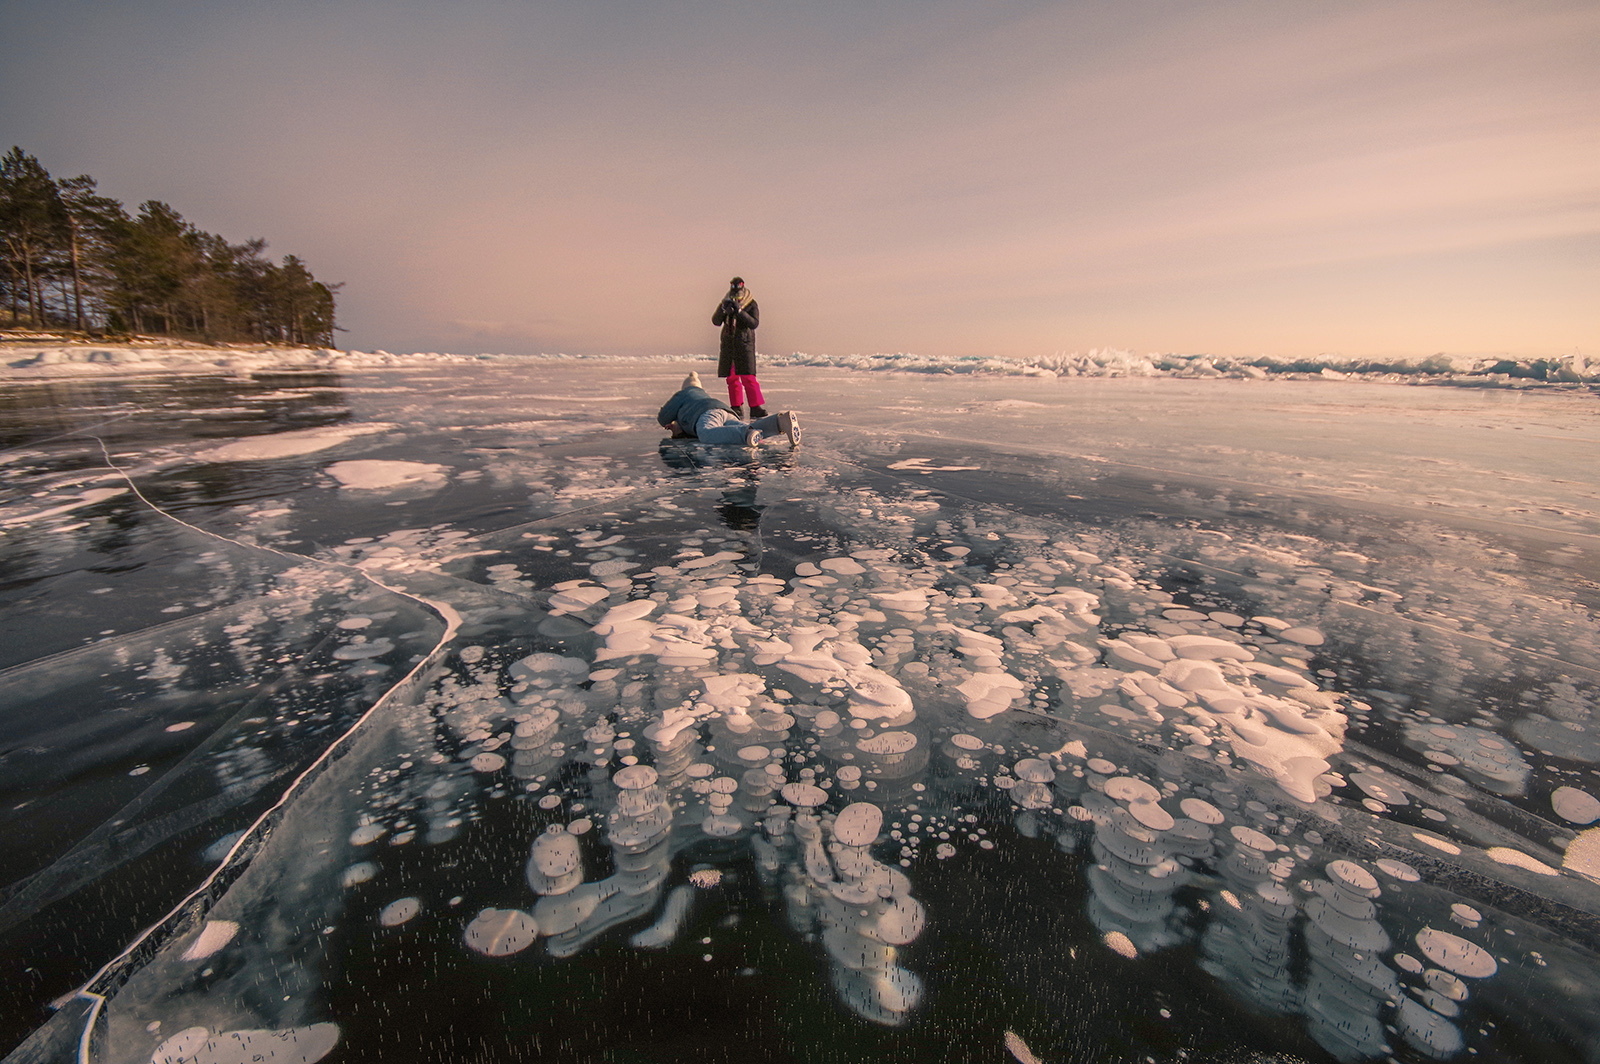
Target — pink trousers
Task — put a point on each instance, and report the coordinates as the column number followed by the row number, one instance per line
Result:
column 741, row 384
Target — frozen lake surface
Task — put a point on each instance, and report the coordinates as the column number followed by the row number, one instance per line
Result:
column 443, row 711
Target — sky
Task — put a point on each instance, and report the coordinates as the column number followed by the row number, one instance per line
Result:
column 984, row 177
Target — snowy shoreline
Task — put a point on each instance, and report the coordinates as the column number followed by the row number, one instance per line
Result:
column 25, row 361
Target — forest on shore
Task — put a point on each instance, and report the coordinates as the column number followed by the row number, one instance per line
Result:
column 71, row 258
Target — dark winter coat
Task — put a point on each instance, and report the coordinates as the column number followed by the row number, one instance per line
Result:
column 738, row 354
column 687, row 407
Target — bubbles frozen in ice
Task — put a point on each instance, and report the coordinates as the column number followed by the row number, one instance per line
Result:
column 488, row 763
column 858, row 824
column 1456, row 954
column 967, row 742
column 1120, row 943
column 635, row 777
column 1575, row 806
column 555, row 863
column 1305, row 636
column 294, row 1045
column 1019, row 1049
column 803, row 795
column 1517, row 859
column 1437, row 843
column 367, row 834
column 358, row 873
column 1201, row 811
column 399, row 912
column 1397, row 870
column 500, row 932
column 1129, row 789
column 213, row 936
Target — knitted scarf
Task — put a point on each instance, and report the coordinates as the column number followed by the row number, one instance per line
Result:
column 741, row 294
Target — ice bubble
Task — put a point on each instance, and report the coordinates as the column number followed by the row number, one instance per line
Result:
column 888, row 743
column 1033, row 770
column 1208, row 648
column 635, row 777
column 1305, row 636
column 556, row 914
column 1227, row 620
column 720, row 826
column 362, row 651
column 1445, row 984
column 1198, row 809
column 1583, row 854
column 1380, row 787
column 581, row 826
column 356, row 874
column 1455, row 954
column 1353, row 878
column 902, row 920
column 213, row 936
column 294, row 1045
column 1151, row 815
column 577, row 599
column 1437, row 843
column 398, row 912
column 1120, row 943
column 1019, row 1049
column 1254, row 839
column 555, row 864
column 488, row 763
column 1102, row 766
column 1129, row 789
column 842, row 566
column 1572, row 805
column 1428, row 1031
column 367, row 834
column 967, row 742
column 185, row 725
column 804, row 795
column 1517, row 859
column 858, row 824
column 1398, row 870
column 501, row 932
column 1465, row 915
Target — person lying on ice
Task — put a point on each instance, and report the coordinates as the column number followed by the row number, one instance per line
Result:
column 692, row 413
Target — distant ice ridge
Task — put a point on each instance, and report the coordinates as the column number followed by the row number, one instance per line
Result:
column 1112, row 362
column 127, row 359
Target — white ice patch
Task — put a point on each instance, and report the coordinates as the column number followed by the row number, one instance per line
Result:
column 501, row 932
column 293, row 1045
column 213, row 936
column 373, row 474
column 288, row 444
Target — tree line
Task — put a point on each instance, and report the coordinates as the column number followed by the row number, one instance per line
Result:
column 72, row 258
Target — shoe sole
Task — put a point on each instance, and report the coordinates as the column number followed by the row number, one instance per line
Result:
column 791, row 426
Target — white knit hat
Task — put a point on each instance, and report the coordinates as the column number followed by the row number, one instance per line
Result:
column 692, row 380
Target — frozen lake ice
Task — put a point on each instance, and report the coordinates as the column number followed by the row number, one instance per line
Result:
column 442, row 710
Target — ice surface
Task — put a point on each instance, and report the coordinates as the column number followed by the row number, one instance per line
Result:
column 1225, row 697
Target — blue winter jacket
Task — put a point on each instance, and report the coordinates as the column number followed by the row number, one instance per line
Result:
column 688, row 407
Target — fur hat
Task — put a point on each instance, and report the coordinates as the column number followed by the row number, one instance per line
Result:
column 692, row 380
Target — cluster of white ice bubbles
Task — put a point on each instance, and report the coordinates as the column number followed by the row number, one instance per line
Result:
column 862, row 646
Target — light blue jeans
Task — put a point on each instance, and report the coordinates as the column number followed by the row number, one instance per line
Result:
column 724, row 426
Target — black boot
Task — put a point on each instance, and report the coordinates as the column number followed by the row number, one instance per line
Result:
column 758, row 411
column 742, row 412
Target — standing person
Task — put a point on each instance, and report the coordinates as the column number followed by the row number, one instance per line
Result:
column 739, row 315
column 691, row 413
